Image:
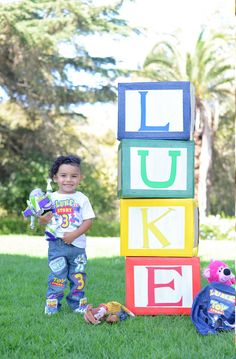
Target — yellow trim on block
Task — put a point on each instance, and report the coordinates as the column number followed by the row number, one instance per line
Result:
column 190, row 249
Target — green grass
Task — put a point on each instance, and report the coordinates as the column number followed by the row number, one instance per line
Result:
column 25, row 332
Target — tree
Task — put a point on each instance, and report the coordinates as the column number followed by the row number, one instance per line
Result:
column 209, row 68
column 34, row 69
column 223, row 167
column 42, row 50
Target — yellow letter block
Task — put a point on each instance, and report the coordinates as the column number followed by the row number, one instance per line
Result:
column 159, row 227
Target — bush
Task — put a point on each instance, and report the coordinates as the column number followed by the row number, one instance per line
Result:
column 214, row 228
column 18, row 225
column 217, row 228
column 101, row 228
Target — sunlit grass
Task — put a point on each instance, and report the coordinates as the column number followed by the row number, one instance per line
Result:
column 25, row 332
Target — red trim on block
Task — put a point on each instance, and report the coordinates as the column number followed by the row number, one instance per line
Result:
column 152, row 264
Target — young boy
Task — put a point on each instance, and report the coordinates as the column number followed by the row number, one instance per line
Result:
column 66, row 255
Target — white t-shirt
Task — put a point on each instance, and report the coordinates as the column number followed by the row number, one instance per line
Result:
column 70, row 211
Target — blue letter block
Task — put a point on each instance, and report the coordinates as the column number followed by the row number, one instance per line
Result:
column 156, row 110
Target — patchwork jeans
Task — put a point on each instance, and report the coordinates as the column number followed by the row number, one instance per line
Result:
column 67, row 263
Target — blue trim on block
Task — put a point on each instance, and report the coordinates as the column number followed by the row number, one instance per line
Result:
column 153, row 133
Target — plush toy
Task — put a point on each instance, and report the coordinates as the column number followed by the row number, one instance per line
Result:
column 218, row 271
column 38, row 204
column 111, row 312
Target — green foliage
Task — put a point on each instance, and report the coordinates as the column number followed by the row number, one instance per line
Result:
column 30, row 173
column 223, row 166
column 213, row 233
column 26, row 176
column 16, row 225
column 35, row 71
column 26, row 332
column 210, row 68
column 101, row 228
column 19, row 225
column 217, row 228
column 42, row 52
column 209, row 73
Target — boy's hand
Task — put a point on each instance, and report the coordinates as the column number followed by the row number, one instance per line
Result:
column 69, row 237
column 45, row 218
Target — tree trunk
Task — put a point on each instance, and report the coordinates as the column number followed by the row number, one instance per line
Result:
column 205, row 158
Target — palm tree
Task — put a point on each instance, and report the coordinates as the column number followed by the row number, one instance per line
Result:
column 209, row 68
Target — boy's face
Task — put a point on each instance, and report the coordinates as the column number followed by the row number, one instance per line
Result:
column 68, row 177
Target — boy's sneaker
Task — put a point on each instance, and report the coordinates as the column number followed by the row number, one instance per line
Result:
column 51, row 306
column 50, row 311
column 81, row 309
column 82, row 306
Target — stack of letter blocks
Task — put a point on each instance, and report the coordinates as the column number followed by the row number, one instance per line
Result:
column 158, row 213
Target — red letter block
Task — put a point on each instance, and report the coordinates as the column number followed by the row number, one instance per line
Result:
column 156, row 285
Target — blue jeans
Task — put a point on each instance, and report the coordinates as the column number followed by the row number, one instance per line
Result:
column 66, row 262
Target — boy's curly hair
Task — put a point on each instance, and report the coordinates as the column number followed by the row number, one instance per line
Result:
column 64, row 160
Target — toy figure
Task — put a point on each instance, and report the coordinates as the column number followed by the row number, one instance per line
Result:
column 218, row 271
column 111, row 312
column 39, row 203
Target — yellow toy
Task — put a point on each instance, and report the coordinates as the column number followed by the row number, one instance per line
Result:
column 111, row 312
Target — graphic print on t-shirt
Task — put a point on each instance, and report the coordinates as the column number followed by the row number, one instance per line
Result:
column 70, row 210
column 68, row 214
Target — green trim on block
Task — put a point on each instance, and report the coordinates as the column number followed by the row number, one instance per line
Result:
column 126, row 192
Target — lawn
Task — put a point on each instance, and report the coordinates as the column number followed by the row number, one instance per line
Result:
column 26, row 332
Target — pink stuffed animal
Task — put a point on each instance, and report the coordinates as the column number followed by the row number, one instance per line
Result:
column 219, row 272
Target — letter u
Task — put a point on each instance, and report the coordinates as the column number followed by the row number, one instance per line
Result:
column 154, row 184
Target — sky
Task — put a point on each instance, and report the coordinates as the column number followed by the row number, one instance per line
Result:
column 185, row 17
column 166, row 16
